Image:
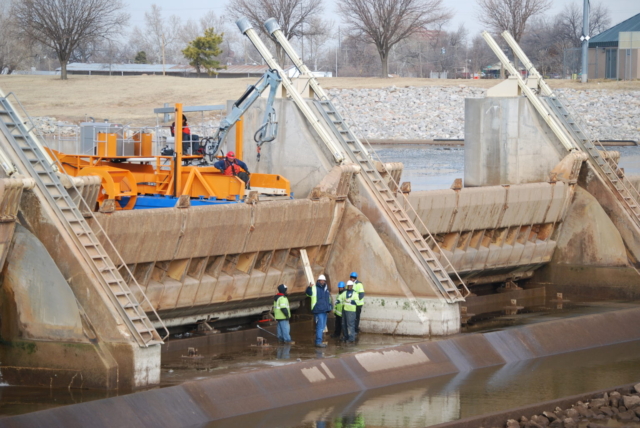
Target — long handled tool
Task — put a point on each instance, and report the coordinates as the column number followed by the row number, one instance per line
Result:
column 260, row 328
column 307, row 270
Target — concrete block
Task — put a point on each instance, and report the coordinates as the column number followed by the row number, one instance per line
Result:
column 269, row 226
column 405, row 316
column 188, row 292
column 480, row 260
column 271, row 282
column 358, row 247
column 170, row 294
column 254, row 285
column 515, row 256
column 528, row 253
column 225, row 290
column 479, row 208
column 562, row 194
column 506, row 142
column 38, row 302
column 205, row 291
column 467, row 262
column 154, row 238
column 503, row 256
column 526, row 204
column 440, row 206
column 540, row 251
column 154, row 293
column 588, row 237
column 226, row 229
column 290, row 276
column 494, row 255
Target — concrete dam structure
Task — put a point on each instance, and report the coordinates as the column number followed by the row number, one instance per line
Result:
column 88, row 295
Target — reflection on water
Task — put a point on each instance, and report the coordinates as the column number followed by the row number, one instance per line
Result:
column 426, row 167
column 430, row 168
column 466, row 394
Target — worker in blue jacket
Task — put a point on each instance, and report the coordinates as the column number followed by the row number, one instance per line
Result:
column 320, row 307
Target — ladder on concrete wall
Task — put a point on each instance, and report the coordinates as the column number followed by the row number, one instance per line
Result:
column 357, row 153
column 387, row 198
column 39, row 165
column 625, row 191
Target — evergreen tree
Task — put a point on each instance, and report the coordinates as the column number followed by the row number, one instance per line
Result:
column 201, row 51
column 141, row 58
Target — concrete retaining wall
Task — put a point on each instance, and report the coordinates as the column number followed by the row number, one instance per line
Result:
column 226, row 396
column 507, row 231
column 506, row 142
column 227, row 260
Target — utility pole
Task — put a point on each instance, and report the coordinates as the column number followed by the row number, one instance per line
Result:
column 163, row 62
column 302, row 32
column 337, row 50
column 585, row 40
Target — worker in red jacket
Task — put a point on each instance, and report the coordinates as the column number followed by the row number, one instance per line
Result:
column 232, row 166
column 190, row 142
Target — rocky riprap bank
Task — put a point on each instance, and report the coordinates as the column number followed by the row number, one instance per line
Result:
column 425, row 113
column 430, row 112
column 594, row 413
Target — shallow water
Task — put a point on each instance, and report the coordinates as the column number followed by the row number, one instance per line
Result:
column 430, row 167
column 463, row 395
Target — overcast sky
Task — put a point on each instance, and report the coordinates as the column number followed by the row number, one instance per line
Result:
column 465, row 11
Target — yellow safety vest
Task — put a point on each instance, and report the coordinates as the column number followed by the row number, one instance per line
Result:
column 278, row 306
column 358, row 287
column 349, row 301
column 337, row 309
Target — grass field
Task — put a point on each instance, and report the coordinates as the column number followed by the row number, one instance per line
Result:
column 132, row 99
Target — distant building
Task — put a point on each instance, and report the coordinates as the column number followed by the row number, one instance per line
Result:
column 614, row 53
column 180, row 70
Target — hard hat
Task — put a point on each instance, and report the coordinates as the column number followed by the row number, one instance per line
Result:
column 354, row 275
column 322, row 278
column 231, row 155
column 349, row 283
column 341, row 284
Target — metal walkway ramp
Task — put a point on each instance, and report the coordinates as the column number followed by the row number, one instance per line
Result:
column 575, row 129
column 38, row 164
column 353, row 148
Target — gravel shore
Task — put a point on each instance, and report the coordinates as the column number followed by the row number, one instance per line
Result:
column 438, row 112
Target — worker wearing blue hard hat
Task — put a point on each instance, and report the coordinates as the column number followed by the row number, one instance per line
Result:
column 358, row 287
column 337, row 311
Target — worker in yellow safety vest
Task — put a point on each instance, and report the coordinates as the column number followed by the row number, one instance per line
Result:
column 282, row 314
column 337, row 311
column 349, row 305
column 358, row 287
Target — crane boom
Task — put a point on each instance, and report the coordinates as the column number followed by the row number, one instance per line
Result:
column 269, row 129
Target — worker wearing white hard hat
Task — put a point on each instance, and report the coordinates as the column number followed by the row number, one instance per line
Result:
column 320, row 307
column 349, row 304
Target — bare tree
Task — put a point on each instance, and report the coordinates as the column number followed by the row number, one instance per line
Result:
column 570, row 22
column 387, row 22
column 317, row 32
column 510, row 15
column 14, row 51
column 63, row 25
column 160, row 38
column 290, row 14
column 480, row 54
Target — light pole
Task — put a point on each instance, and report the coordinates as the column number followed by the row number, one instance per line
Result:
column 585, row 40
